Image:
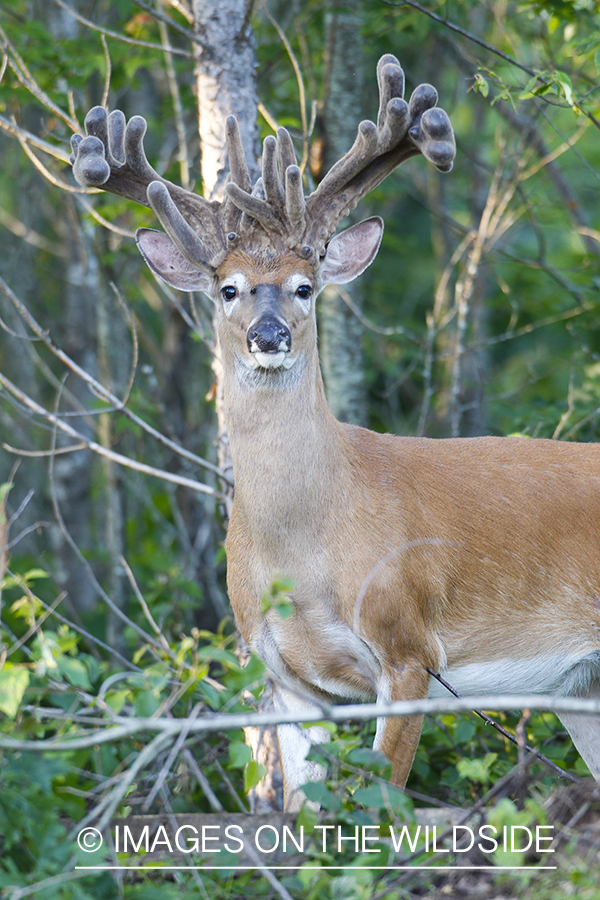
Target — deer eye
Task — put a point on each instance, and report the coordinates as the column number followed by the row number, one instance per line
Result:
column 304, row 291
column 229, row 292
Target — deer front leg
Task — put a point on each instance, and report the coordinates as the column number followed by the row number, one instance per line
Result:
column 398, row 736
column 294, row 744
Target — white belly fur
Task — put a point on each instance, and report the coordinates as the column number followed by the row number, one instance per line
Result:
column 544, row 675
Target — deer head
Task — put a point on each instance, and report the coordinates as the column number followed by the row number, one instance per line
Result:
column 267, row 240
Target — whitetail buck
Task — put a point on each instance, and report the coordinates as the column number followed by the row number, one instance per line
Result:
column 478, row 557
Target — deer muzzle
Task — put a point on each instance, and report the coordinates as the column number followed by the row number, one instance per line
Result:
column 269, row 341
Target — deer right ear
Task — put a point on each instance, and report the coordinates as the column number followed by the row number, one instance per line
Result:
column 350, row 252
column 166, row 261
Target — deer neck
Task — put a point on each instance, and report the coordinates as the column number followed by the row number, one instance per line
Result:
column 285, row 442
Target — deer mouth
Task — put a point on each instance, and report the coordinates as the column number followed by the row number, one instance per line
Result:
column 269, row 359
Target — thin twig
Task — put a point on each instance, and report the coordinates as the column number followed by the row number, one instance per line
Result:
column 89, row 637
column 53, row 179
column 125, row 461
column 301, row 90
column 505, row 733
column 121, row 37
column 19, row 67
column 33, row 629
column 171, row 757
column 122, row 232
column 184, row 166
column 53, row 881
column 145, row 608
column 11, row 127
column 466, row 34
column 185, row 32
column 88, row 568
column 30, row 236
column 100, row 391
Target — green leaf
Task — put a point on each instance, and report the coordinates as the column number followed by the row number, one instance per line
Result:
column 13, row 684
column 464, row 731
column 481, row 85
column 240, row 754
column 146, row 703
column 477, row 769
column 371, row 760
column 377, row 796
column 117, row 700
column 75, row 671
column 253, row 773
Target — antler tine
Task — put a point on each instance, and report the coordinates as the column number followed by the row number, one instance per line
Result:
column 390, row 79
column 90, row 167
column 295, row 204
column 272, row 185
column 135, row 153
column 255, row 207
column 112, row 156
column 181, row 233
column 116, row 136
column 285, row 150
column 237, row 160
column 432, row 132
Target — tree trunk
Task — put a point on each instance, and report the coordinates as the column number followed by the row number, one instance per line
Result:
column 226, row 85
column 340, row 330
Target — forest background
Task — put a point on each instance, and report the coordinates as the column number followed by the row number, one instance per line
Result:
column 479, row 315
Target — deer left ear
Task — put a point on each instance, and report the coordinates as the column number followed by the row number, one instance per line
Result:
column 166, row 261
column 350, row 252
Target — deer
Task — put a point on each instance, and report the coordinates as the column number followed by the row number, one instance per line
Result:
column 475, row 557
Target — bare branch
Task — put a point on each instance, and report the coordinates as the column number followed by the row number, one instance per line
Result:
column 145, row 469
column 184, row 166
column 100, row 391
column 11, row 127
column 301, row 90
column 121, row 37
column 104, row 101
column 161, row 17
column 30, row 236
column 57, row 182
column 360, row 712
column 28, row 81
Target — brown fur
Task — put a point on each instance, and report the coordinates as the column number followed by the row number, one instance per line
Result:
column 267, row 267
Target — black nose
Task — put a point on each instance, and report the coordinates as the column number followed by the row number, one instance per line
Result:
column 269, row 336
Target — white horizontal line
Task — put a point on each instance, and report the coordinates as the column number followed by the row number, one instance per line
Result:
column 353, row 868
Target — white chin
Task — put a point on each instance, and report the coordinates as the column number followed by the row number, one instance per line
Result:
column 269, row 360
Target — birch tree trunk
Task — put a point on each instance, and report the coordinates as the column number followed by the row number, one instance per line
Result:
column 225, row 69
column 226, row 85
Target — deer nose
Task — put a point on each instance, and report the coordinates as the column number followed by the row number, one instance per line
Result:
column 269, row 336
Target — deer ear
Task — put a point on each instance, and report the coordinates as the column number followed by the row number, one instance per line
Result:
column 166, row 261
column 350, row 252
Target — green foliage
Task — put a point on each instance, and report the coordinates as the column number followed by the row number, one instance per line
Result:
column 277, row 597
